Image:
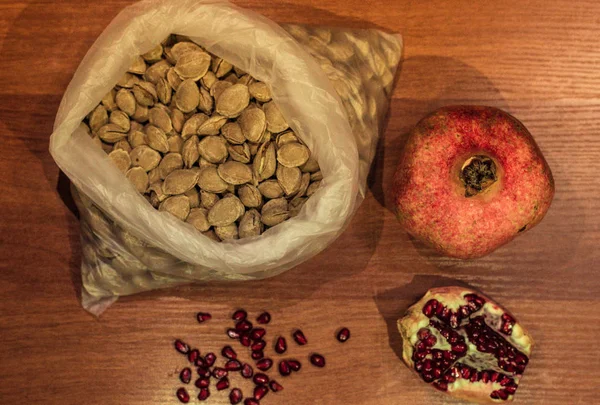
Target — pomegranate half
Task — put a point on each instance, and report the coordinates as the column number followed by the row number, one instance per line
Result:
column 465, row 344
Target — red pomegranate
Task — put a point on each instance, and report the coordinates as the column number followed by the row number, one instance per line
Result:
column 470, row 180
column 465, row 344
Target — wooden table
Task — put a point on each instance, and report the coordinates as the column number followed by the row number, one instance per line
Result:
column 538, row 60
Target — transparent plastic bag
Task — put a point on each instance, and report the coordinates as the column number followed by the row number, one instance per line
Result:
column 333, row 88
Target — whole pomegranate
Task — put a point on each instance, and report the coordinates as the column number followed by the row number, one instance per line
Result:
column 465, row 344
column 471, row 179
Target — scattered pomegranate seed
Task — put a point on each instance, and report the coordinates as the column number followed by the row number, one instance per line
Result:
column 235, row 396
column 299, row 337
column 247, row 371
column 258, row 355
column 259, row 345
column 203, row 317
column 204, row 394
column 222, row 384
column 210, row 359
column 239, row 315
column 257, row 333
column 260, row 379
column 264, row 364
column 229, row 353
column 233, row 365
column 243, row 325
column 200, row 362
column 186, row 375
column 280, row 345
column 264, row 318
column 202, row 382
column 317, row 360
column 219, row 372
column 203, row 372
column 245, row 339
column 183, row 395
column 193, row 356
column 284, row 368
column 294, row 365
column 275, row 386
column 181, row 347
column 251, row 401
column 233, row 333
column 343, row 335
column 260, row 391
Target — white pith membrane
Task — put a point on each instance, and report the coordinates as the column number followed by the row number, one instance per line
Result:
column 489, row 373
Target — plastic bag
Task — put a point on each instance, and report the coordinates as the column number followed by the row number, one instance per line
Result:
column 332, row 86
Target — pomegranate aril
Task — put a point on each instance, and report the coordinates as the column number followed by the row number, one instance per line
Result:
column 204, row 394
column 280, row 345
column 222, row 384
column 235, row 396
column 343, row 335
column 183, row 396
column 243, row 325
column 257, row 333
column 430, row 308
column 203, row 317
column 251, row 401
column 294, row 365
column 233, row 365
column 460, row 348
column 511, row 389
column 233, row 333
column 423, row 333
column 203, row 372
column 257, row 355
column 441, row 385
column 505, row 380
column 200, row 362
column 247, row 371
column 219, row 372
column 260, row 391
column 202, row 382
column 193, row 356
column 264, row 364
column 259, row 345
column 186, row 375
column 317, row 360
column 275, row 386
column 284, row 368
column 264, row 318
column 419, row 366
column 521, row 359
column 245, row 339
column 427, row 365
column 437, row 373
column 181, row 347
column 507, row 324
column 239, row 315
column 485, row 376
column 229, row 353
column 427, row 377
column 260, row 379
column 299, row 337
column 430, row 341
column 209, row 359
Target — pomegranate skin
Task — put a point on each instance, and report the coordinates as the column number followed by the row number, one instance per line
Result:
column 429, row 194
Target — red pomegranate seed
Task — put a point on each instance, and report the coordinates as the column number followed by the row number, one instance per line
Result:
column 183, row 395
column 233, row 365
column 260, row 391
column 243, row 325
column 343, row 335
column 299, row 337
column 210, row 359
column 260, row 379
column 275, row 386
column 229, row 353
column 239, row 315
column 219, row 372
column 511, row 389
column 200, row 362
column 264, row 364
column 294, row 365
column 247, row 371
column 204, row 394
column 203, row 317
column 257, row 333
column 235, row 396
column 430, row 308
column 284, row 368
column 441, row 385
column 203, row 372
column 430, row 341
column 181, row 347
column 258, row 355
column 423, row 333
column 245, row 339
column 317, row 360
column 233, row 333
column 259, row 345
column 202, row 382
column 264, row 318
column 251, row 401
column 186, row 375
column 222, row 384
column 193, row 356
column 280, row 345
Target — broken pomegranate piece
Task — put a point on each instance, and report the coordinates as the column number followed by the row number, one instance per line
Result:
column 465, row 344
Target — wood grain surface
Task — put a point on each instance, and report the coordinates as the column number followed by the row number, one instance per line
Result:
column 537, row 59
